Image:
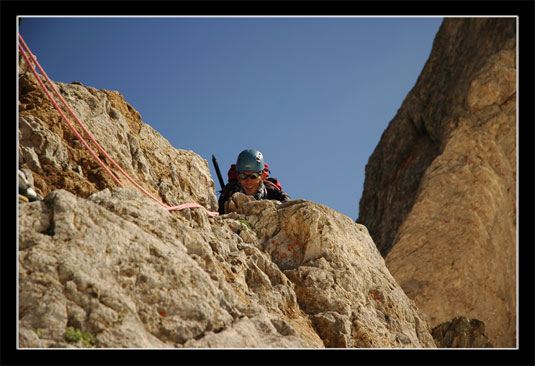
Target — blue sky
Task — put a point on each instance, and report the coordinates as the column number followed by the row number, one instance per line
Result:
column 314, row 94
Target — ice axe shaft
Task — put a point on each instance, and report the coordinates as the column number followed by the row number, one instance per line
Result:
column 219, row 176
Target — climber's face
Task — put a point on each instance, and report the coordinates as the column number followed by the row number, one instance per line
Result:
column 250, row 181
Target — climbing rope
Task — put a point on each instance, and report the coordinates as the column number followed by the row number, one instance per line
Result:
column 34, row 60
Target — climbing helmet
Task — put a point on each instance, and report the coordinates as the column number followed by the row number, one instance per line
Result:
column 250, row 160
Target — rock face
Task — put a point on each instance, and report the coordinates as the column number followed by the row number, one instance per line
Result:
column 440, row 191
column 115, row 266
column 121, row 267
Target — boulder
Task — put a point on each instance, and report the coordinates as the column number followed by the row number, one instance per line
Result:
column 461, row 332
column 340, row 278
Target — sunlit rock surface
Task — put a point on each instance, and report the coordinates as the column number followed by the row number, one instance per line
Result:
column 440, row 191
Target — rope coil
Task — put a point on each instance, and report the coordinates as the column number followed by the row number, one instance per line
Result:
column 91, row 151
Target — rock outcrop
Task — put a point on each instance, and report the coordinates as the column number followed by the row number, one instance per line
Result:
column 461, row 332
column 58, row 159
column 132, row 274
column 439, row 197
column 109, row 267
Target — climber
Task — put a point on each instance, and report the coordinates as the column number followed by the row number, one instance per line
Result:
column 233, row 175
column 252, row 174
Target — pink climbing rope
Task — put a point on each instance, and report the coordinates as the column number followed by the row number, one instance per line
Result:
column 169, row 208
column 68, row 122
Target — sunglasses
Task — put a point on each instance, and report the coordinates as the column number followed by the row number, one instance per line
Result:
column 244, row 176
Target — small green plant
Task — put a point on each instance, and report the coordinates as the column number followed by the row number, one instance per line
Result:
column 74, row 335
column 88, row 339
column 247, row 223
column 38, row 332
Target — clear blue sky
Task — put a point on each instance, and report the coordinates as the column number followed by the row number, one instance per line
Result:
column 314, row 94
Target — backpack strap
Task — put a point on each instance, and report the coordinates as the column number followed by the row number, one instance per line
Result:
column 269, row 181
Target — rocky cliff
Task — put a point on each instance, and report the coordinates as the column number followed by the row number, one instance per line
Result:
column 439, row 196
column 102, row 266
